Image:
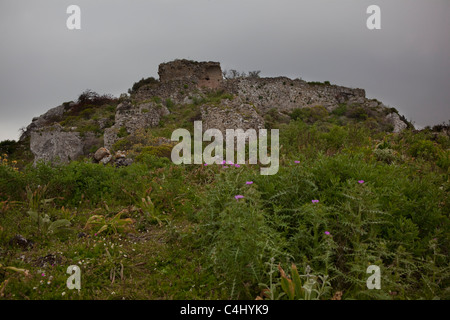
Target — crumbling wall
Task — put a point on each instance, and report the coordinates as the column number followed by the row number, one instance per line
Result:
column 286, row 94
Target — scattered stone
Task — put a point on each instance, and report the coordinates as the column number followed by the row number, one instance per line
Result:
column 101, row 153
column 120, row 154
column 106, row 160
column 123, row 162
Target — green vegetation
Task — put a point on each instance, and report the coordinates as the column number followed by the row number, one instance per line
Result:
column 143, row 82
column 345, row 197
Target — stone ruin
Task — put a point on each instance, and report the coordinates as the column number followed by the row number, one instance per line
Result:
column 204, row 74
column 183, row 81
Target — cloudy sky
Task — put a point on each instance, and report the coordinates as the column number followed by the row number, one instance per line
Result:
column 405, row 64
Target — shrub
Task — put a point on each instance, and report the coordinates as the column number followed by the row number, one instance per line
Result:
column 358, row 113
column 8, row 146
column 163, row 150
column 424, row 149
column 169, row 104
column 123, row 132
column 143, row 82
column 340, row 110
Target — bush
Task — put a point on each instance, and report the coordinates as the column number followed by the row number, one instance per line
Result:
column 8, row 146
column 143, row 82
column 164, row 150
column 169, row 104
column 340, row 110
column 424, row 149
column 123, row 132
column 358, row 113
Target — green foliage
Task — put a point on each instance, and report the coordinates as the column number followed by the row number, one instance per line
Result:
column 238, row 240
column 87, row 113
column 340, row 110
column 309, row 115
column 46, row 226
column 358, row 113
column 216, row 97
column 382, row 200
column 8, row 146
column 169, row 104
column 36, row 203
column 164, row 150
column 312, row 288
column 273, row 119
column 424, row 149
column 123, row 132
column 106, row 225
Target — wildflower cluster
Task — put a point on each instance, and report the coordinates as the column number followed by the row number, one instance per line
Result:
column 4, row 161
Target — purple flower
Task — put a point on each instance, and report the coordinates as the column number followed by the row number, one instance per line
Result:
column 249, row 182
column 238, row 197
column 361, row 181
column 315, row 201
column 327, row 233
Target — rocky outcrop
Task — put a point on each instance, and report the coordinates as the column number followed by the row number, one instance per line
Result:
column 394, row 119
column 203, row 74
column 51, row 116
column 130, row 117
column 231, row 114
column 250, row 102
column 53, row 144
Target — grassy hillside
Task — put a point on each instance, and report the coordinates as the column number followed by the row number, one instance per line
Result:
column 347, row 195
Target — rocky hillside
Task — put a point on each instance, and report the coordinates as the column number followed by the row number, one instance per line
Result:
column 189, row 91
column 349, row 193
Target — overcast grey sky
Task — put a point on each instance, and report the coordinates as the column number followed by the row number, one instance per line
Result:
column 405, row 64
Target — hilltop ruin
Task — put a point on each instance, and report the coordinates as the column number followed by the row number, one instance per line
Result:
column 243, row 103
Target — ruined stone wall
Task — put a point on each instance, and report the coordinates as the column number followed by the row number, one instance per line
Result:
column 285, row 94
column 204, row 74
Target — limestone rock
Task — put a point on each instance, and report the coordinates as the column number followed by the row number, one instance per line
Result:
column 233, row 114
column 48, row 118
column 106, row 159
column 52, row 143
column 132, row 117
column 101, row 153
column 395, row 120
